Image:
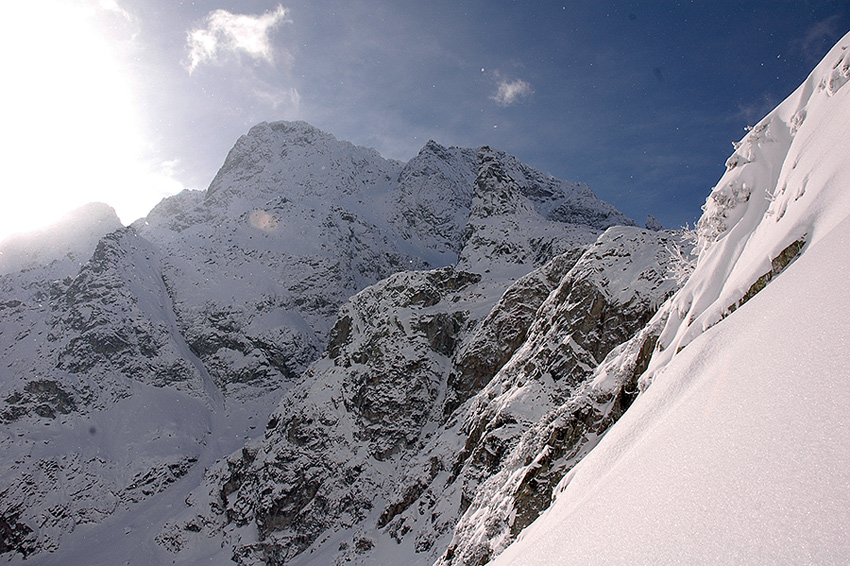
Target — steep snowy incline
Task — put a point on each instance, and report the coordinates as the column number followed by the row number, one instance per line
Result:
column 736, row 451
column 786, row 185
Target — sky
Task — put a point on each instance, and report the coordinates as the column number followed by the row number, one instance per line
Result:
column 129, row 101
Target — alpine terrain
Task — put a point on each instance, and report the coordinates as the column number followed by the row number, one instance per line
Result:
column 330, row 358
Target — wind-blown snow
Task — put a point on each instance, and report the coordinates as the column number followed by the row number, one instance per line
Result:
column 737, row 451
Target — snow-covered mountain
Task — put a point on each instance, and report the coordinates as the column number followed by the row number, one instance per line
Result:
column 133, row 358
column 296, row 222
column 381, row 448
column 333, row 358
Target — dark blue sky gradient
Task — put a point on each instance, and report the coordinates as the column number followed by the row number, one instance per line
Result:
column 641, row 100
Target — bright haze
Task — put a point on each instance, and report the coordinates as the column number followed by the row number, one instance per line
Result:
column 129, row 101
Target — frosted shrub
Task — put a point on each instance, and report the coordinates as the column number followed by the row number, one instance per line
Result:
column 683, row 260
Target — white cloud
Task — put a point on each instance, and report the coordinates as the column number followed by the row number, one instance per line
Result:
column 287, row 98
column 112, row 6
column 226, row 33
column 510, row 92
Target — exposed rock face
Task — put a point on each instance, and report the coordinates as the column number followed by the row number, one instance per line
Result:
column 503, row 331
column 115, row 317
column 517, row 468
column 547, row 404
column 332, row 447
column 419, row 404
column 652, row 223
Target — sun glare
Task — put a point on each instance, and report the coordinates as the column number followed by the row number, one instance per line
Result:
column 71, row 132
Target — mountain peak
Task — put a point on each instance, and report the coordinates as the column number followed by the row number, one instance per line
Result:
column 294, row 132
column 293, row 157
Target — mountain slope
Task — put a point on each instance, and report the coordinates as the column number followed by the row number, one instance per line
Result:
column 379, row 451
column 736, row 450
column 490, row 369
column 297, row 221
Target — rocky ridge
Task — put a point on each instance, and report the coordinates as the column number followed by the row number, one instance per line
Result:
column 391, row 442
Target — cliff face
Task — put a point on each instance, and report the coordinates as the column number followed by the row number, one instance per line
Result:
column 431, row 386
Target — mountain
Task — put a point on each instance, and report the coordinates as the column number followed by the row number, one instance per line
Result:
column 134, row 358
column 378, row 451
column 735, row 451
column 333, row 358
column 295, row 222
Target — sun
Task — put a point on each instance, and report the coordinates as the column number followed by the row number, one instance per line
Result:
column 70, row 117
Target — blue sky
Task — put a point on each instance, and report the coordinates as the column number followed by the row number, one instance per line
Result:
column 126, row 101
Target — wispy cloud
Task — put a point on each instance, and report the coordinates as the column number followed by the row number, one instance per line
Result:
column 287, row 99
column 511, row 91
column 819, row 37
column 227, row 34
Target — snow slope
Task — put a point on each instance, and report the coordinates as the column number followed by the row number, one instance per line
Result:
column 737, row 451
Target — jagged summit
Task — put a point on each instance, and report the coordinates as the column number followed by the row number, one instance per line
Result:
column 430, row 206
column 652, row 223
column 297, row 160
